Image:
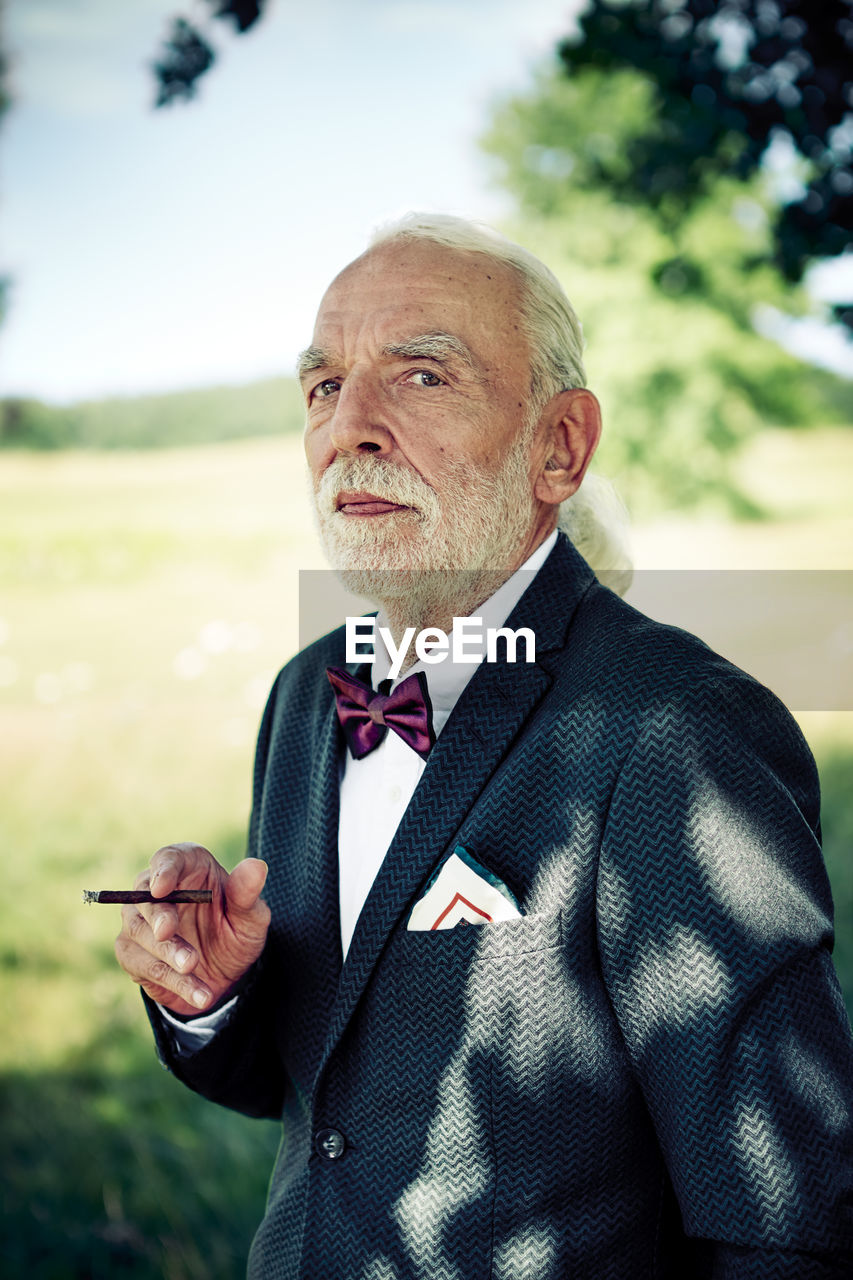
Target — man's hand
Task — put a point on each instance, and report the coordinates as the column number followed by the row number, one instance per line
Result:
column 188, row 957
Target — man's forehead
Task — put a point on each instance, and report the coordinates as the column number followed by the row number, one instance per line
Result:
column 422, row 254
column 404, row 288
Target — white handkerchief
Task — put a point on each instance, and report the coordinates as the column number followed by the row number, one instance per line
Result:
column 463, row 892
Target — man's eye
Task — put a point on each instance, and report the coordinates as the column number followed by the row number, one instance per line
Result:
column 426, row 378
column 325, row 389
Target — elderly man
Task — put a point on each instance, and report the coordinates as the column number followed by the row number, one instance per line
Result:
column 540, row 982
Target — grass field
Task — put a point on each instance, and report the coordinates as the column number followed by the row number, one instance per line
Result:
column 147, row 601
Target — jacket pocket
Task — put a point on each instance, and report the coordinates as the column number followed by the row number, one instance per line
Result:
column 482, row 941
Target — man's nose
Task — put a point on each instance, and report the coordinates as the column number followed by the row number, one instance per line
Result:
column 359, row 424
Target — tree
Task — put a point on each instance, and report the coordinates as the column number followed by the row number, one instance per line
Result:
column 729, row 79
column 723, row 82
column 187, row 52
column 667, row 299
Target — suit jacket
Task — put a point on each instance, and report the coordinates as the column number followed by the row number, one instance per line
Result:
column 649, row 1075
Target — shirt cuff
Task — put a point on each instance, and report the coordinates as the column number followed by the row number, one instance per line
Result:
column 194, row 1033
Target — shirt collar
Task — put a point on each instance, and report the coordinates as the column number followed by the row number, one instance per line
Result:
column 446, row 680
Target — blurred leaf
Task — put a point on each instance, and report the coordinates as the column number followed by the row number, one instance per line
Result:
column 187, row 53
column 244, row 13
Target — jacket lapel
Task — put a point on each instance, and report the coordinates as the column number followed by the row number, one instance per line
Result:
column 479, row 733
column 304, row 895
column 320, row 884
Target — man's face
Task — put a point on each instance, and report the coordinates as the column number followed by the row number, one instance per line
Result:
column 417, row 391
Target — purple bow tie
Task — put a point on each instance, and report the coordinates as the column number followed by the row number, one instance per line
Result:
column 366, row 716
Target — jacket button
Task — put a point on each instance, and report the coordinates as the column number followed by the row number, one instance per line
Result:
column 330, row 1144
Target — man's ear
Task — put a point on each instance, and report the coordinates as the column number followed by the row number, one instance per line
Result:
column 570, row 428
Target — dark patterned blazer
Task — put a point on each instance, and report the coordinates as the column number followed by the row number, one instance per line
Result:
column 649, row 1075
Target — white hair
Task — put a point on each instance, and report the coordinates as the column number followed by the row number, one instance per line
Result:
column 596, row 521
column 549, row 322
column 594, row 518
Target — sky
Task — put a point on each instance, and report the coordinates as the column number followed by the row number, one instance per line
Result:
column 155, row 250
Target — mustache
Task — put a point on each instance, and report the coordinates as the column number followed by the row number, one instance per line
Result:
column 385, row 479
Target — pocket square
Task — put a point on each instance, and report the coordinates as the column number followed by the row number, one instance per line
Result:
column 462, row 891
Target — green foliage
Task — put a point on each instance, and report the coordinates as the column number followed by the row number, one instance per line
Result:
column 684, row 377
column 263, row 408
column 723, row 80
column 112, row 1168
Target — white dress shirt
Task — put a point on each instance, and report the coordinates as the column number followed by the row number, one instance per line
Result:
column 376, row 790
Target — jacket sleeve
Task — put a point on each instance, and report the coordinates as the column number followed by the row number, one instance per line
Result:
column 715, row 925
column 240, row 1066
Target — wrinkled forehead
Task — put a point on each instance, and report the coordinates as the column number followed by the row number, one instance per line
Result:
column 435, row 285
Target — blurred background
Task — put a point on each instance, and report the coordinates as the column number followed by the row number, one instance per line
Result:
column 685, row 167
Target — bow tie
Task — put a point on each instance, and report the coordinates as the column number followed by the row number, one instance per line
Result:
column 366, row 716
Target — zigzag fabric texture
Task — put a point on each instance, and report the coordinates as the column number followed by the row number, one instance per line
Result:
column 648, row 1076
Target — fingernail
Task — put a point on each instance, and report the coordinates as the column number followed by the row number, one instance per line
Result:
column 182, row 957
column 200, row 999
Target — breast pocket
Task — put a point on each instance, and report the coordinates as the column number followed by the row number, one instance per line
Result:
column 481, row 942
column 465, row 999
column 447, row 976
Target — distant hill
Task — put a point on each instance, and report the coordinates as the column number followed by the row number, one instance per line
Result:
column 808, row 396
column 271, row 407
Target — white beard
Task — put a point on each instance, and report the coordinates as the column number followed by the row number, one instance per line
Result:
column 453, row 547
